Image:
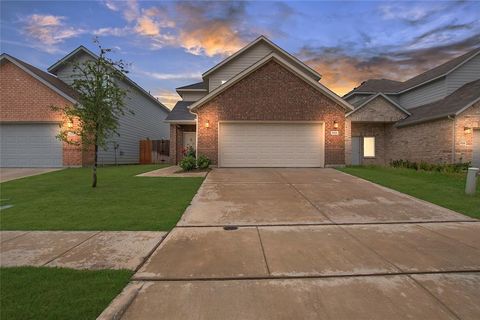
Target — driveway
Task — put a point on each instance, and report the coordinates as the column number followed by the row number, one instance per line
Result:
column 7, row 174
column 308, row 244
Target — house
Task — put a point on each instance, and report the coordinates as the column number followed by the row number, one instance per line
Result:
column 260, row 107
column 433, row 117
column 28, row 126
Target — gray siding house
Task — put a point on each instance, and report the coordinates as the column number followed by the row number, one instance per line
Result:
column 433, row 117
column 146, row 122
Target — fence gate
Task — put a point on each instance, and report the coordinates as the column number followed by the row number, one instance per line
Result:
column 154, row 151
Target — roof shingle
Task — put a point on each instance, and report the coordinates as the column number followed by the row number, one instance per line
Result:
column 180, row 112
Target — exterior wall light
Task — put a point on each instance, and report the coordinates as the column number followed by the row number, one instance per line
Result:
column 207, row 124
column 335, row 124
column 467, row 130
column 70, row 124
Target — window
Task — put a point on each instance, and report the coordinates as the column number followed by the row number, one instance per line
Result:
column 368, row 147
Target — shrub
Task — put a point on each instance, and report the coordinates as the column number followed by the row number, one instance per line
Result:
column 188, row 163
column 446, row 168
column 189, row 152
column 203, row 162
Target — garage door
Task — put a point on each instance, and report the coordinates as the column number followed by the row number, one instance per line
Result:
column 271, row 145
column 30, row 145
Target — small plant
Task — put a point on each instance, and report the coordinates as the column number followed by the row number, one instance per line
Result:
column 189, row 152
column 203, row 162
column 188, row 163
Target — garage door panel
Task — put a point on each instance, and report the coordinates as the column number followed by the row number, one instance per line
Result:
column 271, row 145
column 30, row 145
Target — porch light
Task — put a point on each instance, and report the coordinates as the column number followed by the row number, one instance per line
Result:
column 207, row 124
column 467, row 130
column 70, row 124
column 335, row 124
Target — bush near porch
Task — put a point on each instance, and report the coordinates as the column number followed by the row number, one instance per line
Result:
column 444, row 189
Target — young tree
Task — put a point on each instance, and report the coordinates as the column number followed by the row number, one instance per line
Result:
column 101, row 101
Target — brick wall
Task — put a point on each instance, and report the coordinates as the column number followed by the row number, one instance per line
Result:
column 470, row 118
column 378, row 110
column 272, row 93
column 26, row 99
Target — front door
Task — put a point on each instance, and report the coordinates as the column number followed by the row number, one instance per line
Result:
column 189, row 140
column 356, row 151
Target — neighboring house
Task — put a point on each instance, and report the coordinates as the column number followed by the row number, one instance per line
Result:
column 433, row 117
column 146, row 122
column 28, row 126
column 260, row 107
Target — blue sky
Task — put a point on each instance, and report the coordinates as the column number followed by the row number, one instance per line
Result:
column 169, row 44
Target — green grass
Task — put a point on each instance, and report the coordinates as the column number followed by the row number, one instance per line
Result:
column 64, row 200
column 54, row 293
column 446, row 190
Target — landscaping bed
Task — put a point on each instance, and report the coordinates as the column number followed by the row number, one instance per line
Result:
column 64, row 200
column 54, row 293
column 444, row 189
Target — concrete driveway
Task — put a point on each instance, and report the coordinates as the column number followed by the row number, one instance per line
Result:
column 308, row 244
column 7, row 174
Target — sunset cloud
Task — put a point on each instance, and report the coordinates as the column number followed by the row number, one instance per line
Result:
column 168, row 98
column 49, row 30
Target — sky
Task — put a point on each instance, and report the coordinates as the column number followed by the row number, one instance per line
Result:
column 171, row 43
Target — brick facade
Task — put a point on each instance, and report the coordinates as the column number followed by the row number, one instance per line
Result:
column 26, row 99
column 378, row 110
column 272, row 93
column 430, row 142
column 176, row 141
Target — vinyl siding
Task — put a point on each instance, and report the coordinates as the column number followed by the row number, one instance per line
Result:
column 423, row 94
column 238, row 64
column 193, row 96
column 146, row 122
column 468, row 72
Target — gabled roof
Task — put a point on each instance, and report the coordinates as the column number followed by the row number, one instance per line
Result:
column 264, row 39
column 273, row 56
column 366, row 100
column 47, row 79
column 199, row 86
column 81, row 49
column 181, row 114
column 451, row 105
column 396, row 87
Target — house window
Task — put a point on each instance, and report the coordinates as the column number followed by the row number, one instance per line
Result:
column 368, row 147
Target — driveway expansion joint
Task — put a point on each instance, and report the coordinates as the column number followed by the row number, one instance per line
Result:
column 263, row 251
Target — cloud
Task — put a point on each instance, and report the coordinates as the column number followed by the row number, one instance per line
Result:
column 211, row 28
column 170, row 76
column 48, row 30
column 110, row 4
column 168, row 98
column 343, row 69
column 116, row 32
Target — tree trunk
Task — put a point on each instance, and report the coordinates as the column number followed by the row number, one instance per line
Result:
column 94, row 177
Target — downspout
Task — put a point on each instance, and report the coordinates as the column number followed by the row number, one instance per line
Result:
column 453, row 137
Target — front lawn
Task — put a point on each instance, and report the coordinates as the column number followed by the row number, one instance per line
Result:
column 64, row 200
column 446, row 190
column 54, row 293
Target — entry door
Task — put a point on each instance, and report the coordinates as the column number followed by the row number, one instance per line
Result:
column 189, row 139
column 356, row 151
column 476, row 148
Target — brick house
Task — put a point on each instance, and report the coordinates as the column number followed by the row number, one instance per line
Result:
column 260, row 107
column 28, row 126
column 433, row 117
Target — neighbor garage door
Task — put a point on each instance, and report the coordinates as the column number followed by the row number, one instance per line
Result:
column 30, row 145
column 271, row 144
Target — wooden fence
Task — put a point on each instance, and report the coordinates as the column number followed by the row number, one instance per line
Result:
column 154, row 151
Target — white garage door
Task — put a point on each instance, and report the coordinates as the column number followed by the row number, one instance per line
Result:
column 30, row 145
column 271, row 144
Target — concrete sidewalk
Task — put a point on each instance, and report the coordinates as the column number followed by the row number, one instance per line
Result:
column 8, row 174
column 77, row 249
